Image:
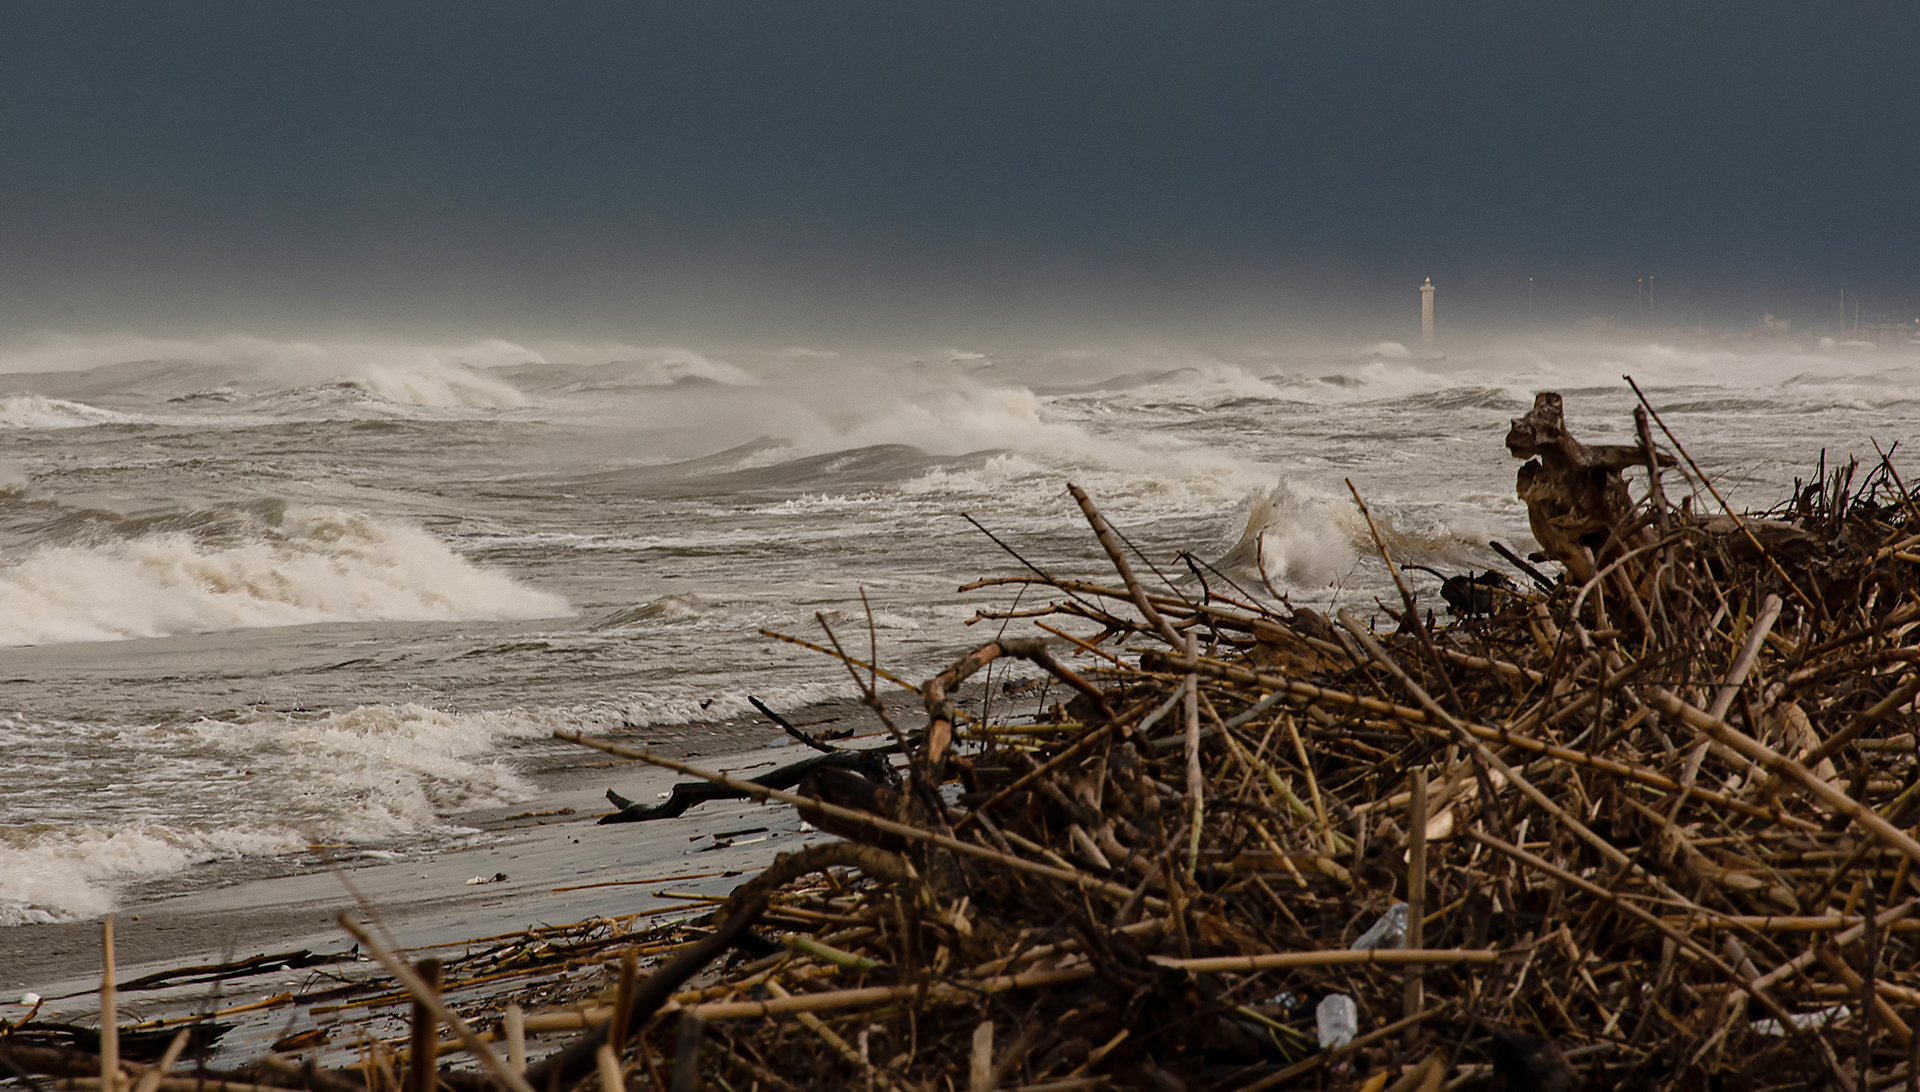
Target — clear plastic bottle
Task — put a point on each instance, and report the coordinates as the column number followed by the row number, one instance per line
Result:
column 1338, row 1019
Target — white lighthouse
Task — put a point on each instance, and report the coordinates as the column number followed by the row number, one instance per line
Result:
column 1426, row 313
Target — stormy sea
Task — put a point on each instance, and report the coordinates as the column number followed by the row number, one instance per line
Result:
column 257, row 596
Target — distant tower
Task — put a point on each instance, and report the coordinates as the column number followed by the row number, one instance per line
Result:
column 1426, row 313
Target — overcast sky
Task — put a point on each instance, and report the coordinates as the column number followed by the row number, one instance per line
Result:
column 603, row 169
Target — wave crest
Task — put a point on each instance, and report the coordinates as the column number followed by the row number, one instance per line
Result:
column 33, row 411
column 441, row 384
column 1297, row 538
column 315, row 565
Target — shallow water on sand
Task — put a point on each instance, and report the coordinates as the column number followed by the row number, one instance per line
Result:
column 257, row 596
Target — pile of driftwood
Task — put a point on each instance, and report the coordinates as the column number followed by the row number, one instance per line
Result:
column 1646, row 821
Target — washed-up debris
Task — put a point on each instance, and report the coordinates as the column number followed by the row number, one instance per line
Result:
column 1527, row 1063
column 818, row 773
column 1467, row 594
column 1389, row 932
column 1645, row 822
column 1803, row 1021
column 1337, row 1021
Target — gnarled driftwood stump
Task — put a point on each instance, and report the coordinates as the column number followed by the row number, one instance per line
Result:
column 1574, row 492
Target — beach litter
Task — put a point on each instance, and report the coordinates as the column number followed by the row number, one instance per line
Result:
column 1642, row 815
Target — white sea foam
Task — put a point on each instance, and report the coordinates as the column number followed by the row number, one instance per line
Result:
column 378, row 770
column 48, row 876
column 1300, row 539
column 1202, row 380
column 992, row 477
column 319, row 566
column 1306, row 539
column 663, row 609
column 32, row 411
column 965, row 418
column 663, row 368
column 954, row 415
column 375, row 774
column 439, row 383
column 683, row 704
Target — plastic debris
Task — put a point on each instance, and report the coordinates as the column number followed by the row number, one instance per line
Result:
column 1389, row 932
column 1803, row 1021
column 1338, row 1020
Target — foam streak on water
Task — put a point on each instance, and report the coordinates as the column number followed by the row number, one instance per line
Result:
column 342, row 591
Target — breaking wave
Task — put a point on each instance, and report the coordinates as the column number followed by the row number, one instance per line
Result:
column 311, row 565
column 439, row 383
column 33, row 411
column 1303, row 539
column 1296, row 538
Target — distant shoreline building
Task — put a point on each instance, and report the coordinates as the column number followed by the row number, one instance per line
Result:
column 1885, row 334
column 1426, row 313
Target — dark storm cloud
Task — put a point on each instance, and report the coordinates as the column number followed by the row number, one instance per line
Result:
column 269, row 150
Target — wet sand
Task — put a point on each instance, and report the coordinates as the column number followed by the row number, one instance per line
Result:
column 559, row 866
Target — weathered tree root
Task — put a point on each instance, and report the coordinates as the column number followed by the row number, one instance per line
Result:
column 1574, row 493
